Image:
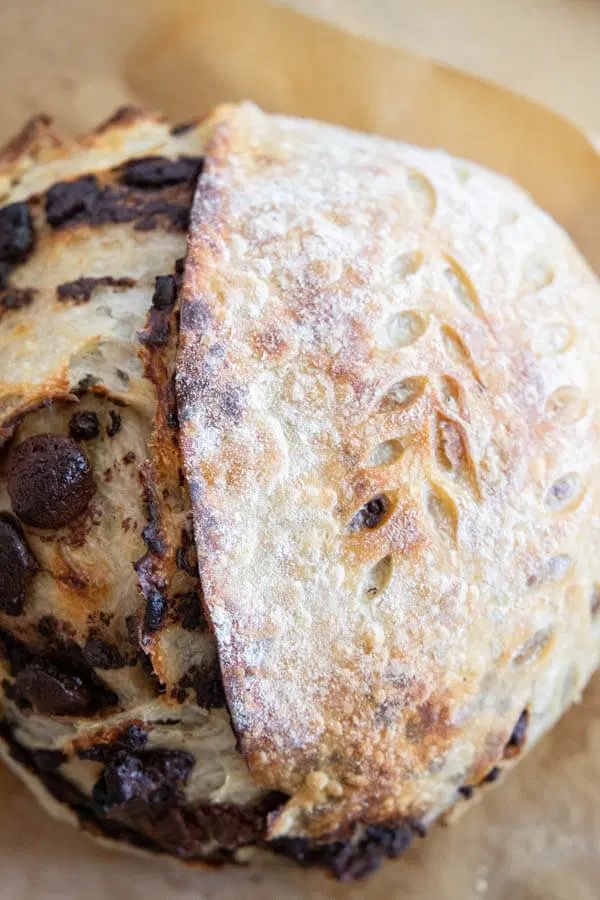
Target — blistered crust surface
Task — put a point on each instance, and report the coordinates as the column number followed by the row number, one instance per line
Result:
column 388, row 391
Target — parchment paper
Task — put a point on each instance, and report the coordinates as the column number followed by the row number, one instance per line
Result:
column 538, row 836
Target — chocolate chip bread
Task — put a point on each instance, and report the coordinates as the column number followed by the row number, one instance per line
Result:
column 298, row 483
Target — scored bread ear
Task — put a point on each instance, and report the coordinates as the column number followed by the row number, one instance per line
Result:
column 388, row 387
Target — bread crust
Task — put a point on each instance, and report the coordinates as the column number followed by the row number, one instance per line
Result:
column 387, row 385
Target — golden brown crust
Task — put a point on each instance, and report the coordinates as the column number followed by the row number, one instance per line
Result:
column 389, row 418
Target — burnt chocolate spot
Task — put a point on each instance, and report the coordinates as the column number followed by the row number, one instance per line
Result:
column 84, row 425
column 349, row 860
column 81, row 289
column 16, row 298
column 50, row 692
column 371, row 514
column 50, row 481
column 148, row 779
column 115, row 423
column 16, row 233
column 67, row 200
column 158, row 171
column 100, row 654
column 154, row 613
column 17, row 566
column 518, row 736
column 165, row 291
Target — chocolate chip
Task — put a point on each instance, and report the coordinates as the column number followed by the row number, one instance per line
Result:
column 158, row 171
column 206, row 683
column 49, row 691
column 16, row 232
column 182, row 128
column 17, row 566
column 115, row 423
column 185, row 556
column 50, row 481
column 492, row 775
column 68, row 199
column 517, row 738
column 16, row 298
column 84, row 425
column 154, row 613
column 165, row 291
column 81, row 289
column 100, row 654
column 370, row 515
column 145, row 780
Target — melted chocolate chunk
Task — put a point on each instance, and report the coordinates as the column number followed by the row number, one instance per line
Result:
column 100, row 654
column 148, row 779
column 132, row 738
column 17, row 566
column 115, row 423
column 370, row 515
column 189, row 612
column 84, row 425
column 67, row 200
column 158, row 171
column 50, row 481
column 165, row 291
column 207, row 686
column 154, row 613
column 16, row 233
column 81, row 289
column 50, row 692
column 349, row 860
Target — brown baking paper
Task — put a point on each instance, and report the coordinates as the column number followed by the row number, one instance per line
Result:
column 538, row 836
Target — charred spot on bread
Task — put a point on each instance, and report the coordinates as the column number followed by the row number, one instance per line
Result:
column 80, row 290
column 17, row 566
column 17, row 235
column 50, row 481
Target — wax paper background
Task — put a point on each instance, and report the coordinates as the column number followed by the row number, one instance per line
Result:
column 538, row 836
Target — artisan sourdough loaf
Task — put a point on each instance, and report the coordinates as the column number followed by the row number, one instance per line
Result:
column 298, row 495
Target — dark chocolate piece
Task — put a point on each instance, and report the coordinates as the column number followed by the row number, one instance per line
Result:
column 17, row 566
column 148, row 779
column 50, row 692
column 154, row 613
column 158, row 171
column 50, row 481
column 84, row 425
column 371, row 514
column 67, row 200
column 165, row 291
column 16, row 233
column 115, row 423
column 100, row 654
column 81, row 289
